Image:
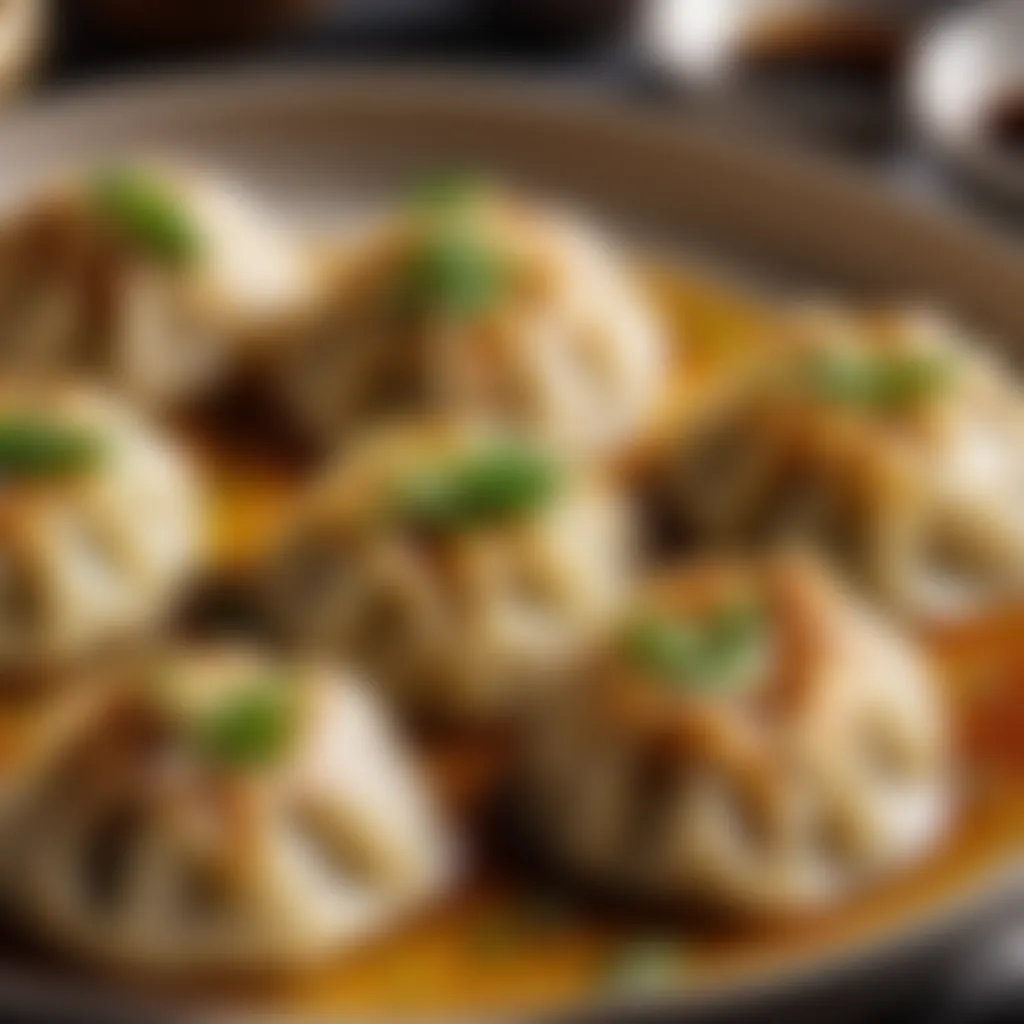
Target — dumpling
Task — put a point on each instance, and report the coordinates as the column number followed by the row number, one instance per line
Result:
column 459, row 565
column 152, row 277
column 100, row 524
column 884, row 439
column 24, row 37
column 222, row 810
column 473, row 300
column 754, row 740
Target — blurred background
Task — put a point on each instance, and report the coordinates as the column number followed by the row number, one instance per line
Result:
column 928, row 94
column 925, row 95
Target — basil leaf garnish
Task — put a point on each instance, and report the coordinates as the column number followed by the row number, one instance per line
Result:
column 32, row 449
column 253, row 728
column 503, row 482
column 149, row 215
column 885, row 383
column 451, row 273
column 699, row 654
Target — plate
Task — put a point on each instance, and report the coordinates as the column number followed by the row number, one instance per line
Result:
column 322, row 143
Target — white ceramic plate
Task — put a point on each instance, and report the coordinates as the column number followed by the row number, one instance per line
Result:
column 315, row 140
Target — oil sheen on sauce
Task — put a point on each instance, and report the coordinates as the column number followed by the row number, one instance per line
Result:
column 508, row 943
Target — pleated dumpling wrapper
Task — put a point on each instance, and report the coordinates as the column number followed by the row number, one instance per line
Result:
column 467, row 298
column 755, row 741
column 101, row 524
column 889, row 440
column 223, row 810
column 154, row 276
column 461, row 565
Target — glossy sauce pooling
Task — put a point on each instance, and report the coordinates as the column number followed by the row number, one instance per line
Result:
column 505, row 942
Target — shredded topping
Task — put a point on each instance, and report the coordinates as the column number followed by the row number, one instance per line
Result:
column 506, row 481
column 722, row 650
column 32, row 448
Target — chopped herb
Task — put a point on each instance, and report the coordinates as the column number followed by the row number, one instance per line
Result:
column 253, row 728
column 445, row 189
column 34, row 449
column 451, row 273
column 887, row 383
column 501, row 483
column 717, row 652
column 146, row 213
column 643, row 967
column 663, row 647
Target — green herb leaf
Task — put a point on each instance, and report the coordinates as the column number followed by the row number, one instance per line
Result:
column 719, row 652
column 644, row 967
column 451, row 274
column 445, row 189
column 253, row 728
column 666, row 648
column 147, row 214
column 504, row 482
column 35, row 449
column 887, row 384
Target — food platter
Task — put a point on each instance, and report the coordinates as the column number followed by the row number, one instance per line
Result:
column 718, row 230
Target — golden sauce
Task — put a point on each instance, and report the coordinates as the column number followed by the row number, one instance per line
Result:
column 503, row 943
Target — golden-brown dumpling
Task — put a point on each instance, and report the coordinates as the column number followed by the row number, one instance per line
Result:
column 476, row 301
column 882, row 438
column 755, row 740
column 100, row 524
column 151, row 276
column 461, row 566
column 220, row 809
